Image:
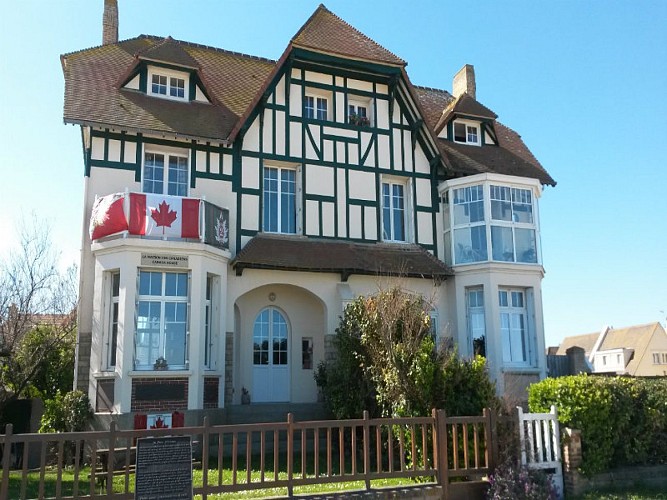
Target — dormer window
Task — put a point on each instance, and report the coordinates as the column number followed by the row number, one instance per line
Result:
column 168, row 84
column 466, row 132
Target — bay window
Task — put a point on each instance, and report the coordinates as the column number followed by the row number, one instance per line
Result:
column 490, row 222
column 162, row 320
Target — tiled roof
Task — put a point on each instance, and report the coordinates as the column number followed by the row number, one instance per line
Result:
column 92, row 95
column 298, row 253
column 433, row 102
column 587, row 342
column 465, row 105
column 327, row 32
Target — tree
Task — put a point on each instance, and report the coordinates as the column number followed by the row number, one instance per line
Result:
column 37, row 315
column 388, row 363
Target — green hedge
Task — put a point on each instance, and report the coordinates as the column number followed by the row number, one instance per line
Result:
column 623, row 421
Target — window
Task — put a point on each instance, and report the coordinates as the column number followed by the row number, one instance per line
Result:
column 165, row 174
column 270, row 338
column 316, row 107
column 307, row 353
column 358, row 113
column 469, row 225
column 486, row 221
column 514, row 327
column 466, row 132
column 208, row 334
column 393, row 211
column 168, row 84
column 279, row 211
column 476, row 321
column 112, row 345
column 162, row 320
column 514, row 240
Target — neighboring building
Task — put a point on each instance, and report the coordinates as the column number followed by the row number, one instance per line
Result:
column 237, row 204
column 640, row 351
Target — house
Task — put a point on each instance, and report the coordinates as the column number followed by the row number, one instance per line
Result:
column 639, row 351
column 237, row 204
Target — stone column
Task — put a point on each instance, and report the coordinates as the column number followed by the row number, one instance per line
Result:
column 572, row 460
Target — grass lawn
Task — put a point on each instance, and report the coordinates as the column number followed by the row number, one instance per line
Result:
column 637, row 492
column 67, row 487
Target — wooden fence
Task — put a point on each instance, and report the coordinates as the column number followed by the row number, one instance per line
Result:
column 234, row 458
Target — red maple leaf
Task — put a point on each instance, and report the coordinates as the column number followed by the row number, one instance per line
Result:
column 163, row 217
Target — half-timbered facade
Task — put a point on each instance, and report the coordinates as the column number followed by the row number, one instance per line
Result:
column 234, row 205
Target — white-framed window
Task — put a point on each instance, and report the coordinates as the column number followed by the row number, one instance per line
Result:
column 112, row 340
column 358, row 112
column 394, row 210
column 168, row 84
column 270, row 338
column 476, row 320
column 208, row 325
column 162, row 320
column 467, row 132
column 490, row 221
column 513, row 237
column 279, row 212
column 165, row 172
column 515, row 329
column 316, row 106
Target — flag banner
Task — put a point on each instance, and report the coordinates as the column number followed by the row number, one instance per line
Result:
column 216, row 225
column 161, row 215
column 108, row 216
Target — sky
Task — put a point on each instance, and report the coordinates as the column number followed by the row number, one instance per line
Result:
column 582, row 81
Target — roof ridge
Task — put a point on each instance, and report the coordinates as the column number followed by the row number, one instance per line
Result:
column 139, row 37
column 424, row 87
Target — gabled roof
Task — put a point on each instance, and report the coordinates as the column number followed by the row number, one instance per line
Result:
column 467, row 106
column 299, row 253
column 326, row 32
column 169, row 51
column 586, row 342
column 636, row 338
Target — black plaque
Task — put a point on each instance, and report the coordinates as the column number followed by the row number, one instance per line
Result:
column 164, row 468
column 156, row 391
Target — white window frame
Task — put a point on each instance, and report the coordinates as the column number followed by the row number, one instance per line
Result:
column 470, row 126
column 169, row 74
column 407, row 209
column 528, row 340
column 279, row 193
column 112, row 320
column 317, row 98
column 475, row 309
column 162, row 299
column 353, row 106
column 167, row 153
column 528, row 256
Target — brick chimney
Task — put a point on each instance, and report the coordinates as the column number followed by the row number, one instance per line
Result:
column 110, row 22
column 464, row 81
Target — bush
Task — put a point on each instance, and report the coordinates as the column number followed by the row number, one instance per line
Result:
column 520, row 484
column 623, row 420
column 66, row 413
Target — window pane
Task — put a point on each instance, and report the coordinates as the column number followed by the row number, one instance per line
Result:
column 501, row 206
column 270, row 199
column 153, row 173
column 470, row 244
column 261, row 339
column 321, row 108
column 177, row 87
column 176, row 284
column 459, row 132
column 472, row 134
column 178, row 176
column 288, row 201
column 159, row 84
column 501, row 244
column 526, row 246
column 148, row 332
column 175, row 330
column 398, row 213
column 468, row 205
column 150, row 283
column 115, row 284
column 309, row 104
column 448, row 248
column 522, row 205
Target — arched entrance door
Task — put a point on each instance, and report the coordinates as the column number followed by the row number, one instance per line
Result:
column 270, row 340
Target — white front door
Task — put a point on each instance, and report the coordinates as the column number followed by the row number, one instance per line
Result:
column 270, row 340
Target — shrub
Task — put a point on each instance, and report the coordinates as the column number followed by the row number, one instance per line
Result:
column 508, row 481
column 623, row 420
column 66, row 413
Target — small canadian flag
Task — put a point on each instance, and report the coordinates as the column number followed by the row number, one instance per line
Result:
column 163, row 215
column 108, row 216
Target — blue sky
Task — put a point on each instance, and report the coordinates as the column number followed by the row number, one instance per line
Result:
column 582, row 81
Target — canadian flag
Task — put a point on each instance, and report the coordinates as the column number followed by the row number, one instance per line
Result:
column 108, row 216
column 163, row 215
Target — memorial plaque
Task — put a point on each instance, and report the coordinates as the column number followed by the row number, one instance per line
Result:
column 164, row 468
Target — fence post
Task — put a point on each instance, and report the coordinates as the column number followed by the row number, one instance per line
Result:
column 290, row 454
column 6, row 456
column 441, row 443
column 522, row 435
column 205, row 446
column 491, row 435
column 111, row 459
column 367, row 457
